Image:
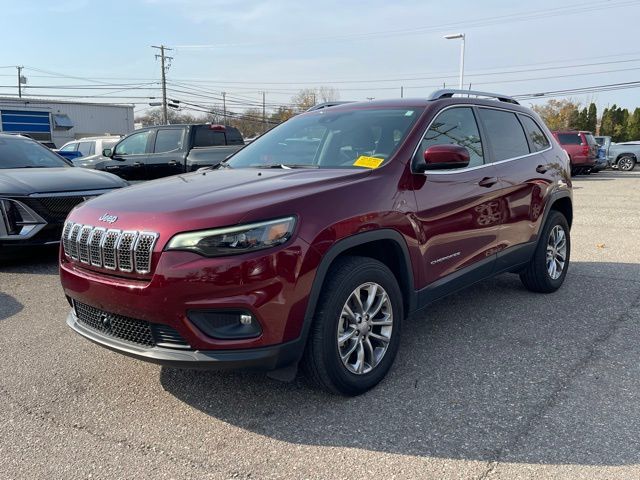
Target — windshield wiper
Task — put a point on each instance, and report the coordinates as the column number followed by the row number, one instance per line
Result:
column 287, row 166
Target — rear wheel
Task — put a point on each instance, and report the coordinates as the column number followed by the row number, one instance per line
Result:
column 626, row 163
column 547, row 268
column 355, row 333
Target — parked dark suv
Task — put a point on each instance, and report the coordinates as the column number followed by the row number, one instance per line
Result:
column 312, row 244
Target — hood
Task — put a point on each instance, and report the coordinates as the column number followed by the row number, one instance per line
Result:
column 209, row 199
column 25, row 181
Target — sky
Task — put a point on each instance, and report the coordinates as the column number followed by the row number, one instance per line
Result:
column 101, row 51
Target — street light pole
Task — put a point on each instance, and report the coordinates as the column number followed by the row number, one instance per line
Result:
column 462, row 37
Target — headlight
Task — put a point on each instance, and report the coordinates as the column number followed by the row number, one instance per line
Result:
column 17, row 220
column 235, row 240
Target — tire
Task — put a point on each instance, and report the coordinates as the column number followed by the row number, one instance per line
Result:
column 323, row 356
column 626, row 163
column 537, row 275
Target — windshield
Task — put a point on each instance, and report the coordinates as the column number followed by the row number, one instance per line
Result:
column 16, row 152
column 330, row 139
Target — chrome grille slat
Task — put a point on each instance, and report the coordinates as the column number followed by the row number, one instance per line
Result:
column 83, row 243
column 127, row 251
column 95, row 240
column 142, row 251
column 73, row 238
column 65, row 235
column 109, row 242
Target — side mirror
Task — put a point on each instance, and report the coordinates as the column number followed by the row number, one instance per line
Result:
column 107, row 152
column 444, row 157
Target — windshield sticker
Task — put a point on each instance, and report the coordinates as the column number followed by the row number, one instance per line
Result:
column 368, row 162
column 409, row 113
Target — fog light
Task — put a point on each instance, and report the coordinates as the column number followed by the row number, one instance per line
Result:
column 225, row 324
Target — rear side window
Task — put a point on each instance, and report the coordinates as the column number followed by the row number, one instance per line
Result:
column 234, row 137
column 590, row 139
column 455, row 126
column 85, row 148
column 505, row 134
column 205, row 137
column 169, row 140
column 569, row 139
column 537, row 138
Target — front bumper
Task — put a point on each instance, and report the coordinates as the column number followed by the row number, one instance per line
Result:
column 266, row 358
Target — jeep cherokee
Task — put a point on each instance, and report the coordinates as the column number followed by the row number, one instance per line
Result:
column 312, row 244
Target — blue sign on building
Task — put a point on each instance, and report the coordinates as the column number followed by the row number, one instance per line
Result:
column 22, row 121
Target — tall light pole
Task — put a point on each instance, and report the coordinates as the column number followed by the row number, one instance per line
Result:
column 454, row 36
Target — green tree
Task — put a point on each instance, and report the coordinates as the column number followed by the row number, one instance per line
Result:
column 633, row 125
column 592, row 118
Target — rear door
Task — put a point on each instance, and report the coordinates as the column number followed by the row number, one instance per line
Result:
column 519, row 150
column 130, row 155
column 457, row 209
column 167, row 156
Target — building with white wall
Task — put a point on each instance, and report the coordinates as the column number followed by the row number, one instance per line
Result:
column 62, row 121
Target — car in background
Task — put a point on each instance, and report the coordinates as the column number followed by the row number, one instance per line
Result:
column 602, row 162
column 624, row 156
column 38, row 189
column 581, row 148
column 88, row 146
column 166, row 150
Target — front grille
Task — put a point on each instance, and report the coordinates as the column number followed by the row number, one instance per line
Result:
column 131, row 330
column 112, row 249
column 53, row 209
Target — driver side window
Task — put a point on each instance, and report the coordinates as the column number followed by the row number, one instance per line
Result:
column 136, row 144
column 455, row 126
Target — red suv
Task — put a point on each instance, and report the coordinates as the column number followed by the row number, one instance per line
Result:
column 581, row 147
column 312, row 244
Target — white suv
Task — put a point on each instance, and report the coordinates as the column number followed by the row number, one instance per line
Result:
column 90, row 145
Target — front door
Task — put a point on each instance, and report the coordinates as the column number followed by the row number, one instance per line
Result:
column 167, row 157
column 130, row 155
column 458, row 210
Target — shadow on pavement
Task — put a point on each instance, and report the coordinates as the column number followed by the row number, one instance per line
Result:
column 478, row 374
column 41, row 260
column 9, row 306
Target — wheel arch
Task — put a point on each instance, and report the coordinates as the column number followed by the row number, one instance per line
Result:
column 385, row 245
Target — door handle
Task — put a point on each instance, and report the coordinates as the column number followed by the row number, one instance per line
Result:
column 138, row 164
column 173, row 163
column 488, row 182
column 541, row 169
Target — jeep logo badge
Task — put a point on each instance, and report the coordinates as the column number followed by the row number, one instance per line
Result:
column 108, row 218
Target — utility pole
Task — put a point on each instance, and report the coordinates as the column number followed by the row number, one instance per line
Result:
column 163, row 58
column 19, row 81
column 401, row 92
column 224, row 108
column 264, row 118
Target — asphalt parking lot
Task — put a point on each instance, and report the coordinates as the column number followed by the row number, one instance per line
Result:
column 494, row 382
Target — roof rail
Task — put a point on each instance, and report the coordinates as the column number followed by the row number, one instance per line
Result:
column 320, row 106
column 448, row 93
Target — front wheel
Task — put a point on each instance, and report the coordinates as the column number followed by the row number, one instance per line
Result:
column 355, row 333
column 626, row 163
column 547, row 268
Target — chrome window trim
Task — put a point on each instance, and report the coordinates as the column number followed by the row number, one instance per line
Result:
column 477, row 167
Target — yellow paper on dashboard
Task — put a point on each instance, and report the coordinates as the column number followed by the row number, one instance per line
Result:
column 368, row 162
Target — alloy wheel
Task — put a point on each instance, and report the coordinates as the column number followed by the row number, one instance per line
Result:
column 364, row 328
column 556, row 252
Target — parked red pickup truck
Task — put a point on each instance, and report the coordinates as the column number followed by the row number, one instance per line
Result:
column 312, row 244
